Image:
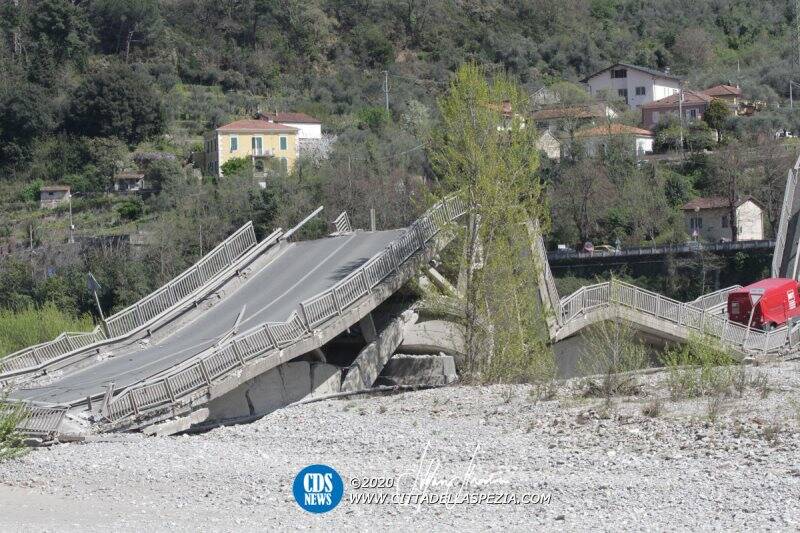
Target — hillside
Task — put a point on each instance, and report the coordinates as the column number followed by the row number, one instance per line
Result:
column 90, row 87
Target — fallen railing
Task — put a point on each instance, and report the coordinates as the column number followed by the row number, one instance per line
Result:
column 687, row 316
column 268, row 339
column 139, row 314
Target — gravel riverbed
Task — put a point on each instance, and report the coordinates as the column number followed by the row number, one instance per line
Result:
column 699, row 464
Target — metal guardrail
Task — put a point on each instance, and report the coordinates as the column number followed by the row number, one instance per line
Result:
column 713, row 299
column 662, row 250
column 544, row 264
column 786, row 207
column 272, row 337
column 687, row 316
column 42, row 422
column 222, row 256
column 342, row 223
column 140, row 313
column 34, row 356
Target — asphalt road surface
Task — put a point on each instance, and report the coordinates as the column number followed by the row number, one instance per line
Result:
column 271, row 295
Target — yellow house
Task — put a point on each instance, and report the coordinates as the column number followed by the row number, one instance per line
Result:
column 268, row 144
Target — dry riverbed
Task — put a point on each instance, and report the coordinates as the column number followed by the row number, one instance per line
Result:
column 696, row 464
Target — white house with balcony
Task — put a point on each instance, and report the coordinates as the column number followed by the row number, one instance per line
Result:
column 634, row 85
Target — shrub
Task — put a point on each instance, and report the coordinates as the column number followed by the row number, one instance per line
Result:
column 31, row 191
column 130, row 209
column 11, row 440
column 235, row 166
column 702, row 366
column 612, row 351
column 34, row 325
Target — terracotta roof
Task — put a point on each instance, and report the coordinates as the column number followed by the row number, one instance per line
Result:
column 646, row 70
column 715, row 202
column 723, row 90
column 689, row 98
column 584, row 111
column 298, row 118
column 613, row 129
column 55, row 188
column 250, row 125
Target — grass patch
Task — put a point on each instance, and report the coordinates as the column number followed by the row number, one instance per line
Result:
column 20, row 329
column 11, row 440
column 612, row 353
column 702, row 367
column 652, row 409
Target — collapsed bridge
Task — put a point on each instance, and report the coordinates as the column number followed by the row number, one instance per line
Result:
column 248, row 309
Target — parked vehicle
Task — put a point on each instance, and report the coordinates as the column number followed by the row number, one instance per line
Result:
column 776, row 301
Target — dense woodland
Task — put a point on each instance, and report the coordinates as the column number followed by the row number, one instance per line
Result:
column 91, row 87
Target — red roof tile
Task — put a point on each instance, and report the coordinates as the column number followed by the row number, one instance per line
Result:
column 250, row 125
column 613, row 129
column 715, row 202
column 723, row 90
column 689, row 98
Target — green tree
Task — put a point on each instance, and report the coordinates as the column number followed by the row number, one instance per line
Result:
column 122, row 23
column 116, row 102
column 160, row 171
column 130, row 209
column 25, row 113
column 60, row 29
column 495, row 168
column 717, row 114
column 236, row 166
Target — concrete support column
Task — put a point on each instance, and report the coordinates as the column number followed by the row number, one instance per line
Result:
column 368, row 328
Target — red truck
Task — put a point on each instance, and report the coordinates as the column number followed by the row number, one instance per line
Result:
column 776, row 301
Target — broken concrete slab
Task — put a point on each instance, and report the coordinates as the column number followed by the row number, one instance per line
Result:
column 419, row 370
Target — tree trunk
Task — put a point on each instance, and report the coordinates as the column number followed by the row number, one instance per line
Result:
column 732, row 222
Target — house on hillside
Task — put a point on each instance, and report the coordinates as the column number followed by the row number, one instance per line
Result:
column 548, row 144
column 730, row 94
column 692, row 103
column 558, row 119
column 635, row 85
column 269, row 145
column 709, row 219
column 307, row 126
column 597, row 139
column 128, row 182
column 51, row 196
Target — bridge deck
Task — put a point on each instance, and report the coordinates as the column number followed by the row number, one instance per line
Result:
column 303, row 270
column 787, row 267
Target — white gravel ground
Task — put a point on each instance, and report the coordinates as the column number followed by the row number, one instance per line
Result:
column 602, row 469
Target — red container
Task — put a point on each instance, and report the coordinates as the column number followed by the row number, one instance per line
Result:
column 777, row 303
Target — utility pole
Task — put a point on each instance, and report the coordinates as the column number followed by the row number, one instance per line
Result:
column 386, row 86
column 680, row 112
column 792, row 83
column 71, row 225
